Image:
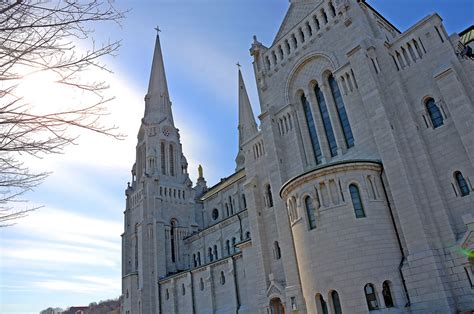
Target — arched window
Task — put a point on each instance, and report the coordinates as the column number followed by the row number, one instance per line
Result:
column 434, row 113
column 325, row 16
column 163, row 159
column 323, row 109
column 171, row 160
column 336, row 303
column 332, row 9
column 461, row 183
column 201, row 284
column 341, row 111
column 215, row 214
column 312, row 129
column 269, row 196
column 199, row 258
column 247, row 235
column 321, row 305
column 371, row 297
column 167, row 294
column 172, row 241
column 194, row 259
column 227, row 247
column 244, row 201
column 276, row 250
column 216, row 255
column 356, row 201
column 276, row 307
column 308, row 202
column 222, row 278
column 209, row 255
column 387, row 294
column 227, row 209
column 183, row 289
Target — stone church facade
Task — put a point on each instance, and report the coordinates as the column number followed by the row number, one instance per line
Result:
column 354, row 194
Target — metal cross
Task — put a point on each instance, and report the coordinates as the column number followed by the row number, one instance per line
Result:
column 157, row 29
column 238, row 64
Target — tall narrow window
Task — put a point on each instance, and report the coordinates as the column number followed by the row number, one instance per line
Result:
column 357, row 201
column 311, row 212
column 216, row 255
column 371, row 297
column 341, row 111
column 163, row 159
column 269, row 196
column 222, row 278
column 199, row 258
column 201, row 284
column 321, row 304
column 336, row 303
column 323, row 109
column 195, row 260
column 231, row 206
column 209, row 255
column 276, row 250
column 244, row 201
column 234, row 241
column 172, row 240
column 312, row 129
column 387, row 294
column 435, row 114
column 171, row 160
column 227, row 209
column 227, row 247
column 462, row 183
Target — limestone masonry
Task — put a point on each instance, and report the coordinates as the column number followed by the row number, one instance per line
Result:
column 354, row 194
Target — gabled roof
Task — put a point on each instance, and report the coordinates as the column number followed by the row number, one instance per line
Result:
column 297, row 11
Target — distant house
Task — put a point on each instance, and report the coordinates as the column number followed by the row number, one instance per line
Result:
column 77, row 310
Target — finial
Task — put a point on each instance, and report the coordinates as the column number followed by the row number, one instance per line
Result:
column 200, row 172
column 158, row 30
column 238, row 65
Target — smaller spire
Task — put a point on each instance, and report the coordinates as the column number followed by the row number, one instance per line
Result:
column 247, row 125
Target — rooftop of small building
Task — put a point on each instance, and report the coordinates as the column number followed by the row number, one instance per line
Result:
column 467, row 35
column 224, row 183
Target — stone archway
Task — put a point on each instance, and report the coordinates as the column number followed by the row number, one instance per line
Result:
column 276, row 307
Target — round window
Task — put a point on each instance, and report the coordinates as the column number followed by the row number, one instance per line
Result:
column 215, row 214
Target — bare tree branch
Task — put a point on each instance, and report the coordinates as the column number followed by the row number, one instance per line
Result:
column 39, row 36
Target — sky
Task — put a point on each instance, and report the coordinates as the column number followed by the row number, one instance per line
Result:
column 69, row 251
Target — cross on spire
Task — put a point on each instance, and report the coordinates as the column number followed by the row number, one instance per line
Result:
column 157, row 29
column 238, row 65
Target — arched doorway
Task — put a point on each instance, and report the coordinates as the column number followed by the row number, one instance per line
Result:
column 276, row 307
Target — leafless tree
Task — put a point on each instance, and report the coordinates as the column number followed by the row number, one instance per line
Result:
column 44, row 36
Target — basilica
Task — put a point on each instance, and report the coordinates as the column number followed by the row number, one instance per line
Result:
column 352, row 194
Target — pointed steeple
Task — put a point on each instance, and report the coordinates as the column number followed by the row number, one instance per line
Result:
column 157, row 101
column 247, row 125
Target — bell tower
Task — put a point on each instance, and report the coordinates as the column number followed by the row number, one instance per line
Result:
column 160, row 210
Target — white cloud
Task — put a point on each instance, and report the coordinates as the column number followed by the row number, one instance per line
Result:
column 81, row 284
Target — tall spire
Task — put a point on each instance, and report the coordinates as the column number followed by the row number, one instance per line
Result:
column 157, row 101
column 247, row 125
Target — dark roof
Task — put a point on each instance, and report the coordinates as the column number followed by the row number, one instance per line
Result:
column 467, row 35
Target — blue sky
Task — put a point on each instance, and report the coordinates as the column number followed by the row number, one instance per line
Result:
column 68, row 252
